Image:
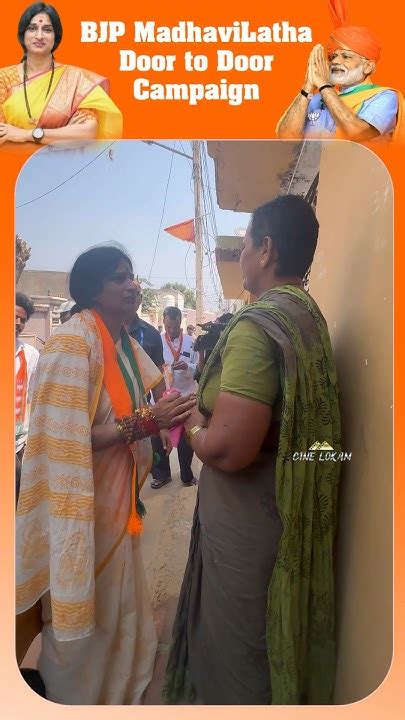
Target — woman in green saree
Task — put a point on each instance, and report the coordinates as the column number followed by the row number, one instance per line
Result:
column 255, row 619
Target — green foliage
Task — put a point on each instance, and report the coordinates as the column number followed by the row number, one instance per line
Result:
column 189, row 295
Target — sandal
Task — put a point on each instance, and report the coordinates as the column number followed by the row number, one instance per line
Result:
column 156, row 484
column 191, row 482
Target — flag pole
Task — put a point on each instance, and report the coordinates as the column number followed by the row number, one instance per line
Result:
column 196, row 145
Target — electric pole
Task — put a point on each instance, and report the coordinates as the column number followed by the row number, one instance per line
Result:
column 196, row 144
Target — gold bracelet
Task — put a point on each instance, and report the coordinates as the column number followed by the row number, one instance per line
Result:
column 122, row 430
column 193, row 431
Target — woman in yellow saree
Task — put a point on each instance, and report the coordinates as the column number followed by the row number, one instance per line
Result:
column 44, row 101
column 79, row 515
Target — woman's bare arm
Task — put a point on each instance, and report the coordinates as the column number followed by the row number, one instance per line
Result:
column 235, row 434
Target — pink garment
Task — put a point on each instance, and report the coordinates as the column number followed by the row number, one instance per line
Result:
column 176, row 431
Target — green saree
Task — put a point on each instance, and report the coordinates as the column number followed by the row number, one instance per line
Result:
column 295, row 591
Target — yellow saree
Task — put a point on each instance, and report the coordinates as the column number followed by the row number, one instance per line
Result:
column 74, row 94
column 73, row 551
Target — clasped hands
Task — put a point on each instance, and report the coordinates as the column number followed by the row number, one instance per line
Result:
column 318, row 72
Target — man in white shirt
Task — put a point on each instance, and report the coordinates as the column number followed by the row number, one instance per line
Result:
column 26, row 358
column 181, row 363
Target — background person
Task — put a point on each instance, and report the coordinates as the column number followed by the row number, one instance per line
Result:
column 180, row 358
column 150, row 340
column 65, row 311
column 26, row 359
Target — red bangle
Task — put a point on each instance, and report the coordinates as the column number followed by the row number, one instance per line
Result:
column 147, row 417
column 141, row 424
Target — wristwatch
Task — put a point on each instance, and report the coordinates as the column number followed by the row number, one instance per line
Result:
column 38, row 134
column 307, row 94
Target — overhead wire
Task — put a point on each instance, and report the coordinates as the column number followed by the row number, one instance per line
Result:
column 75, row 174
column 163, row 212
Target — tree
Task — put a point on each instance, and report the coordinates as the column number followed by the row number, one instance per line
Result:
column 189, row 295
column 22, row 255
column 149, row 297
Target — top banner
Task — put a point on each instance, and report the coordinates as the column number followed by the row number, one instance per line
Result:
column 325, row 71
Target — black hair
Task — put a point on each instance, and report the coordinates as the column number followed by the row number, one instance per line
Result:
column 23, row 301
column 172, row 312
column 33, row 10
column 90, row 271
column 290, row 222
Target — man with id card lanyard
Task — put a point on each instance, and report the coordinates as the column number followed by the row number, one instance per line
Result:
column 181, row 361
column 151, row 341
column 26, row 358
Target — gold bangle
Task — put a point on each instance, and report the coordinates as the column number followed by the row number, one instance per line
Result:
column 194, row 430
column 120, row 427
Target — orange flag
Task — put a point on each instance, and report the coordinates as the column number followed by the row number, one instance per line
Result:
column 183, row 231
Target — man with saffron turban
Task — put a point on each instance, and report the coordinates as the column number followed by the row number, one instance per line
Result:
column 338, row 98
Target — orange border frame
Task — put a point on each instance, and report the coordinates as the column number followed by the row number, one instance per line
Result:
column 207, row 121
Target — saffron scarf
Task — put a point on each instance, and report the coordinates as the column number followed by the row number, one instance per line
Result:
column 176, row 353
column 21, row 386
column 354, row 101
column 120, row 389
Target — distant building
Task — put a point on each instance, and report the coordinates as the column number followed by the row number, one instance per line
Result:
column 47, row 289
column 43, row 321
column 44, row 282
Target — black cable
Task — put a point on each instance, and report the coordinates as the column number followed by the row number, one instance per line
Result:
column 48, row 192
column 163, row 212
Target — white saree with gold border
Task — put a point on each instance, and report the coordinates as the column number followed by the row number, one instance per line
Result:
column 72, row 546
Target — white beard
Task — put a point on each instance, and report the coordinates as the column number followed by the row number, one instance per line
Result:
column 347, row 78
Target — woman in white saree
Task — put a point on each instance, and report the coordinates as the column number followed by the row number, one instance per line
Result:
column 79, row 516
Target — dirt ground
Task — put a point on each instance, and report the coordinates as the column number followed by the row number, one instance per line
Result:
column 165, row 550
column 165, row 544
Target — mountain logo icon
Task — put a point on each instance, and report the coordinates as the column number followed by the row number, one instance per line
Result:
column 321, row 446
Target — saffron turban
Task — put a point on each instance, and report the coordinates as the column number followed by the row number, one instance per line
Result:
column 358, row 39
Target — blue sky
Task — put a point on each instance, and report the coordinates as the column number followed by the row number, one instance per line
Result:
column 119, row 200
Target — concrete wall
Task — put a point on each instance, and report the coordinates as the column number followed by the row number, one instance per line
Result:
column 250, row 173
column 352, row 280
